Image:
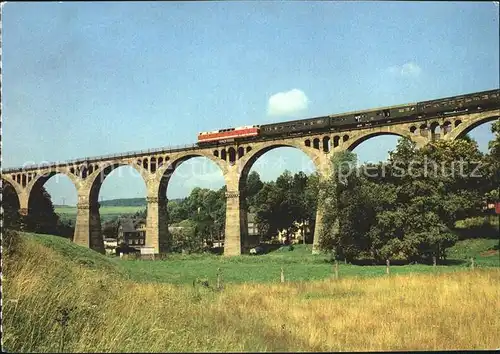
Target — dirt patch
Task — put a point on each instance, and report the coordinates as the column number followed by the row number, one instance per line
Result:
column 489, row 253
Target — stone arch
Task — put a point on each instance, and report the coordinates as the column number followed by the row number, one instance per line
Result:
column 41, row 178
column 9, row 187
column 152, row 164
column 326, row 144
column 95, row 180
column 164, row 173
column 232, row 155
column 316, row 143
column 241, row 152
column 223, row 154
column 359, row 138
column 145, row 163
column 435, row 129
column 237, row 186
column 423, row 130
column 447, row 127
column 88, row 228
column 261, row 148
column 216, row 153
column 158, row 194
column 336, row 141
column 307, row 143
column 472, row 121
column 12, row 183
column 413, row 130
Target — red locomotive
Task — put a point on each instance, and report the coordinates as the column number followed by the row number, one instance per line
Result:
column 225, row 135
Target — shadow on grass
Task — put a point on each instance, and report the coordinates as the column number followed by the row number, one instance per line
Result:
column 270, row 247
column 486, row 231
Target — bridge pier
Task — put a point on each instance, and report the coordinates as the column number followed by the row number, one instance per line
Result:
column 157, row 224
column 88, row 226
column 233, row 232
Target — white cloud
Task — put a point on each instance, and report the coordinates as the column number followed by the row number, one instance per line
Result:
column 409, row 69
column 287, row 103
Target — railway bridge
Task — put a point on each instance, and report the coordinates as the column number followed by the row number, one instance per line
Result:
column 234, row 160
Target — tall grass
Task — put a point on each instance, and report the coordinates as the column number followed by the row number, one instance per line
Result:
column 108, row 313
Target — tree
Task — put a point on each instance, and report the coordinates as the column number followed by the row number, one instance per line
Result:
column 492, row 162
column 41, row 216
column 334, row 196
column 10, row 206
column 252, row 187
column 407, row 208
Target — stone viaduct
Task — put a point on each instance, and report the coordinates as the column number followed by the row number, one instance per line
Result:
column 234, row 160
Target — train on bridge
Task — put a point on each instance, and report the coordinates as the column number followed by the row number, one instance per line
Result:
column 386, row 115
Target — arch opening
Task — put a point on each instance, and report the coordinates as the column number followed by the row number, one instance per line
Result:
column 316, row 143
column 241, row 152
column 374, row 147
column 152, row 164
column 290, row 165
column 52, row 205
column 435, row 131
column 326, row 144
column 192, row 204
column 10, row 206
column 117, row 210
column 479, row 132
column 336, row 141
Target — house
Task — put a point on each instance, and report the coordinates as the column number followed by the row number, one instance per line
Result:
column 253, row 236
column 303, row 230
column 252, row 225
column 132, row 232
column 110, row 245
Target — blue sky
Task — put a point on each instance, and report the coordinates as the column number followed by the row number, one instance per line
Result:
column 86, row 79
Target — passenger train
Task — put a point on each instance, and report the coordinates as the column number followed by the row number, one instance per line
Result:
column 385, row 115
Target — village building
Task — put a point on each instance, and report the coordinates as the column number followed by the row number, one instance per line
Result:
column 131, row 232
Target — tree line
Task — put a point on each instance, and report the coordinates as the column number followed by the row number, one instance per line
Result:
column 407, row 208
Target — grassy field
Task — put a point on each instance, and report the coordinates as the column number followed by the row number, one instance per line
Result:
column 298, row 265
column 60, row 297
column 106, row 212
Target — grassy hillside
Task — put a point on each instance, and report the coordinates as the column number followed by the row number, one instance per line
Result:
column 55, row 301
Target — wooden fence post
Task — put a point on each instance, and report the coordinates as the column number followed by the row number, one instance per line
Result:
column 472, row 262
column 282, row 275
column 218, row 278
column 388, row 263
column 336, row 269
column 434, row 261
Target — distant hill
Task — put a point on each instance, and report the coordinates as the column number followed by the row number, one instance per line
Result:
column 124, row 202
column 136, row 202
column 130, row 202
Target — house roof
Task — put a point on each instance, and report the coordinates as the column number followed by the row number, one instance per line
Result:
column 127, row 225
column 130, row 224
